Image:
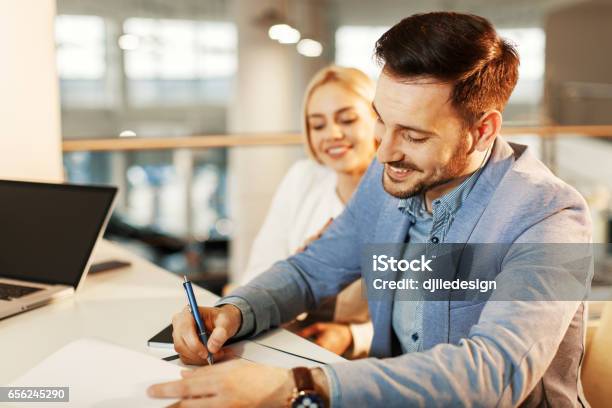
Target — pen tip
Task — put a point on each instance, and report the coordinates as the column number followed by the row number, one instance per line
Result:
column 185, row 277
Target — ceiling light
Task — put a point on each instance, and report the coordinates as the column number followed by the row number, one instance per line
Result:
column 309, row 48
column 284, row 34
column 277, row 30
column 127, row 133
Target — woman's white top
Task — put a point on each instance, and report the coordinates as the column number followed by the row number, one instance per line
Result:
column 304, row 202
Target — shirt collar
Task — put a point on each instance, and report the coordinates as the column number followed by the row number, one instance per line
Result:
column 413, row 206
column 449, row 202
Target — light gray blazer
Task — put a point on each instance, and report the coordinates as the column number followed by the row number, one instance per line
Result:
column 482, row 354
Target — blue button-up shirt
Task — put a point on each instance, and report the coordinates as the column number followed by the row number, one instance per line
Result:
column 429, row 228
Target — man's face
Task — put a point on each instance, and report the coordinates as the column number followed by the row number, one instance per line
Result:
column 423, row 142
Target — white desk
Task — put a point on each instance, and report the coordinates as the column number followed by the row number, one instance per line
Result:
column 125, row 307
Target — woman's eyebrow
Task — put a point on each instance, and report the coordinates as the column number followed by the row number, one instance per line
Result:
column 342, row 110
column 337, row 112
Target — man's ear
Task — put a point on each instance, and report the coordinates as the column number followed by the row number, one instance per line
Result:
column 486, row 130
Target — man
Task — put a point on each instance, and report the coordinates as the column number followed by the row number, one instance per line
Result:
column 442, row 175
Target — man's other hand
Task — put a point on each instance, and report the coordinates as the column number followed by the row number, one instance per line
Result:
column 335, row 337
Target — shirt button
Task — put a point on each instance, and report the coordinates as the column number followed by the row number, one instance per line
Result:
column 415, row 336
column 435, row 240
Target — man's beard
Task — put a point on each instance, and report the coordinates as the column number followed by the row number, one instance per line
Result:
column 451, row 170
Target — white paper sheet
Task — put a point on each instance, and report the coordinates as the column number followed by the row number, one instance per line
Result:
column 101, row 375
column 291, row 343
column 251, row 351
column 257, row 353
column 287, row 345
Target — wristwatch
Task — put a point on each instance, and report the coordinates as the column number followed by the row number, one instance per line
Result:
column 304, row 394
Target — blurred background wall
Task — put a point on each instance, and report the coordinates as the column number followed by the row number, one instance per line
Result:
column 29, row 97
column 158, row 69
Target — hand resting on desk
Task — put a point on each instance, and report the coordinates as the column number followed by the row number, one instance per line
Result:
column 235, row 383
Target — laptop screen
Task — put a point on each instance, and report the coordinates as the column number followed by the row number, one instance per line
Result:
column 47, row 231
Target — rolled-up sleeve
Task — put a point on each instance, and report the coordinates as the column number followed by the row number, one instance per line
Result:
column 248, row 317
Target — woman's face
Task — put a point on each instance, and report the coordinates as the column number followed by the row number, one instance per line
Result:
column 341, row 127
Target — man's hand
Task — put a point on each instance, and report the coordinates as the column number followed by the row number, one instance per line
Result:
column 336, row 337
column 235, row 383
column 221, row 322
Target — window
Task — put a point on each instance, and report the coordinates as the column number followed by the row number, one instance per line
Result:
column 81, row 60
column 196, row 59
column 530, row 43
column 355, row 47
column 80, row 47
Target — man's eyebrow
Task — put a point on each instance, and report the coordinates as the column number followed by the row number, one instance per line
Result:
column 418, row 130
column 412, row 128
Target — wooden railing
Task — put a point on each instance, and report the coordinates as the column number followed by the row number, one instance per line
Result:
column 211, row 141
column 187, row 142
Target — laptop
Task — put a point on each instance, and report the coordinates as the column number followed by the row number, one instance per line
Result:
column 47, row 234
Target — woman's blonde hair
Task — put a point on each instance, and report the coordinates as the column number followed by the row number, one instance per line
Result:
column 351, row 78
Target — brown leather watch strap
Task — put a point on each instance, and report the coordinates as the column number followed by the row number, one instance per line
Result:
column 303, row 379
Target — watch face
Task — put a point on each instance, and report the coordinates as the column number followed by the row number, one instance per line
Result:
column 307, row 400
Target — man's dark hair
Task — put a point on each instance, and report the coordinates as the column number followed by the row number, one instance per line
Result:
column 462, row 49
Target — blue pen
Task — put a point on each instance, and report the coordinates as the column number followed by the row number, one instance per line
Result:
column 193, row 305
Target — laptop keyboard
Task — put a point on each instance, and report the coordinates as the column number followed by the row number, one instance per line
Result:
column 10, row 292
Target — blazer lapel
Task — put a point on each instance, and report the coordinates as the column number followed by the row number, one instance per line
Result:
column 392, row 228
column 436, row 314
column 477, row 201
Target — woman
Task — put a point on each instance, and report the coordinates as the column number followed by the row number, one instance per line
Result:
column 339, row 130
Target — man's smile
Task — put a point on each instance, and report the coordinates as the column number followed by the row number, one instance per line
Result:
column 398, row 174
